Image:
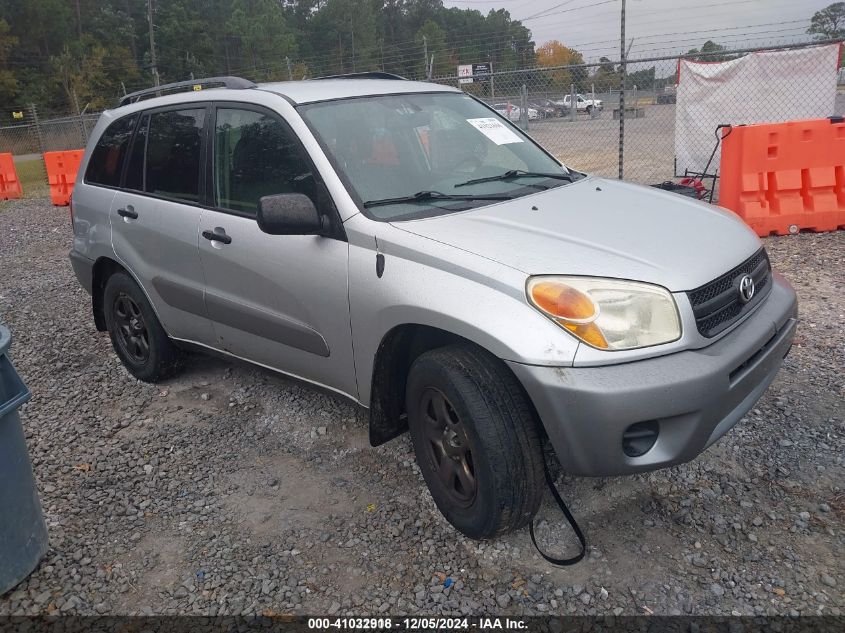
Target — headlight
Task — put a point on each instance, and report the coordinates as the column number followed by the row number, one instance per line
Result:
column 608, row 314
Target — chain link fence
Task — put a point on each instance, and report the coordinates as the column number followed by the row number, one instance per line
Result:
column 573, row 111
column 28, row 136
column 636, row 142
column 29, row 133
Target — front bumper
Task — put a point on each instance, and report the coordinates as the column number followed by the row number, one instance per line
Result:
column 695, row 396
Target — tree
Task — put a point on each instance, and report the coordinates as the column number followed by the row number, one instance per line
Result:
column 829, row 23
column 554, row 54
column 343, row 34
column 642, row 79
column 8, row 83
column 606, row 75
column 710, row 52
column 183, row 40
column 435, row 43
column 55, row 52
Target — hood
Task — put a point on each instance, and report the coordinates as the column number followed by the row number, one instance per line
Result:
column 604, row 228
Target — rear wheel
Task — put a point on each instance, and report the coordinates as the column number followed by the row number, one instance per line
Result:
column 476, row 440
column 136, row 334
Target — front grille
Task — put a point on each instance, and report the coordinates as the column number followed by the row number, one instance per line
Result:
column 717, row 305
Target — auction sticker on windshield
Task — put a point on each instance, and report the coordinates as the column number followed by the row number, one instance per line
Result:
column 495, row 130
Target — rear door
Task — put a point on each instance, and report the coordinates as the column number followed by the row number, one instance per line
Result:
column 155, row 217
column 278, row 300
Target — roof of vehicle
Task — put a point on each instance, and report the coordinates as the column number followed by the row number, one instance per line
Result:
column 312, row 90
column 299, row 92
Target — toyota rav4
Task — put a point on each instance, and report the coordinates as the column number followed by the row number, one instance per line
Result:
column 404, row 246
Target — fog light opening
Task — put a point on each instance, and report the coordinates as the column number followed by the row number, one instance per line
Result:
column 638, row 439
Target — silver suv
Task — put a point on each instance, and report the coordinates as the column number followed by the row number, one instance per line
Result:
column 402, row 245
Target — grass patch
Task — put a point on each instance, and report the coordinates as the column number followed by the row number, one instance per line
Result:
column 33, row 178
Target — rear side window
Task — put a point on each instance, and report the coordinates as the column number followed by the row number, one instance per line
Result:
column 174, row 144
column 106, row 162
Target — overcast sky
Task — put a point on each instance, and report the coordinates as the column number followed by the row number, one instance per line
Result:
column 658, row 26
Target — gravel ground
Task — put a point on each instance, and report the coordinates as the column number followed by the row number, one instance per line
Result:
column 230, row 489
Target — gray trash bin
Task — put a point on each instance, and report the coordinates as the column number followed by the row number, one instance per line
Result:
column 23, row 534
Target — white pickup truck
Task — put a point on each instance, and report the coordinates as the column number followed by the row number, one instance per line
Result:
column 582, row 104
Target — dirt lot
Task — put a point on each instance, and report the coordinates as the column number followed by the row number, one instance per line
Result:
column 230, row 489
column 591, row 145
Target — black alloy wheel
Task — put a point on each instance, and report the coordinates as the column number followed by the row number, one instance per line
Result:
column 448, row 448
column 132, row 334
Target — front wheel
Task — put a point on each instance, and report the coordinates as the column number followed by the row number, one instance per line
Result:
column 476, row 440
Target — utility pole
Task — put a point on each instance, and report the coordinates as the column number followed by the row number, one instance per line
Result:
column 353, row 49
column 152, row 43
column 425, row 56
column 622, row 71
column 290, row 72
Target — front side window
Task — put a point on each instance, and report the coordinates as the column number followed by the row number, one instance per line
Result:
column 173, row 154
column 255, row 155
column 446, row 144
column 106, row 162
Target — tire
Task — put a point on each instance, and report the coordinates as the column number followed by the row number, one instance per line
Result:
column 136, row 334
column 589, row 110
column 481, row 456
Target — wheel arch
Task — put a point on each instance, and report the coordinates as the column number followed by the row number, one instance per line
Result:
column 104, row 268
column 396, row 352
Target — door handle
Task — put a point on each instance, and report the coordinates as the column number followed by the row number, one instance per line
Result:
column 128, row 212
column 217, row 235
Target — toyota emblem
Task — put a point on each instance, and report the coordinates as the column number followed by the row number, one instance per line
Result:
column 746, row 288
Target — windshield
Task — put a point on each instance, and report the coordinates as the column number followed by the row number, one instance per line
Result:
column 397, row 146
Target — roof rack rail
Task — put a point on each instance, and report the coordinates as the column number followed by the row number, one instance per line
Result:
column 373, row 74
column 179, row 86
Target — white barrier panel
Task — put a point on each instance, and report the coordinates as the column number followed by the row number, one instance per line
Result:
column 766, row 87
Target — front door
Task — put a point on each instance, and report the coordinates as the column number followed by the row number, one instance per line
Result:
column 278, row 300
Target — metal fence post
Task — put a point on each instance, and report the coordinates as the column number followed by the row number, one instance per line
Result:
column 523, row 102
column 573, row 105
column 622, row 71
column 39, row 139
column 36, row 127
column 82, row 132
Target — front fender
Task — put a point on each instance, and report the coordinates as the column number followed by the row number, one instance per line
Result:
column 428, row 283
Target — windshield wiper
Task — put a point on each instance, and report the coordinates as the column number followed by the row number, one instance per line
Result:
column 424, row 196
column 516, row 173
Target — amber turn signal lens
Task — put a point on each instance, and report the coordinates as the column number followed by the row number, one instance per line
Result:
column 589, row 333
column 564, row 302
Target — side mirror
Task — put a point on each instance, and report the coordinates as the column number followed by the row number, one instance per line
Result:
column 289, row 214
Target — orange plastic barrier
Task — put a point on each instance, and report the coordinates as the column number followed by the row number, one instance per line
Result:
column 61, row 174
column 785, row 177
column 10, row 185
